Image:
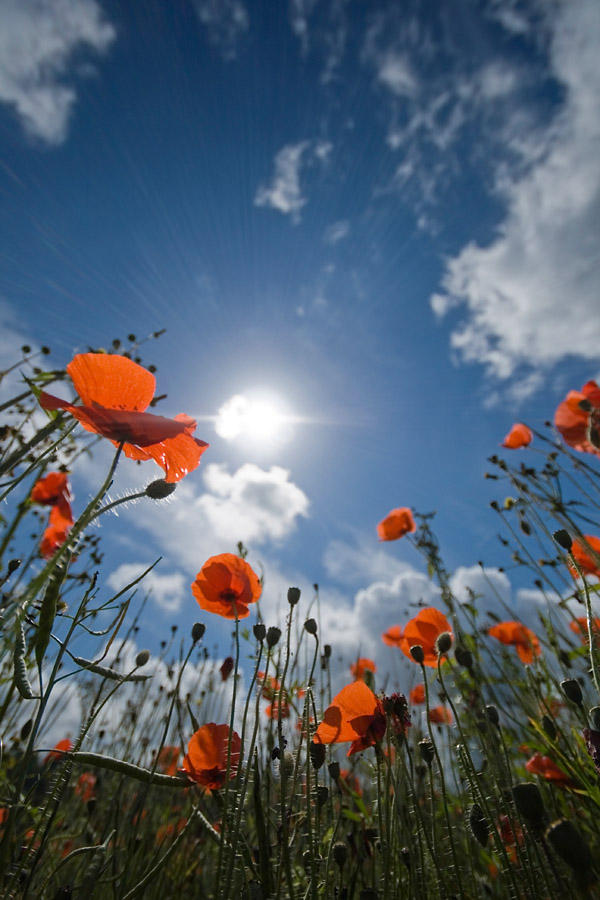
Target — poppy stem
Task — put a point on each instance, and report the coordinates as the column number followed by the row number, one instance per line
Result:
column 590, row 619
column 228, row 766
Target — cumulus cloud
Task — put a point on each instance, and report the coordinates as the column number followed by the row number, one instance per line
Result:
column 167, row 590
column 395, row 72
column 284, row 191
column 515, row 291
column 37, row 41
column 226, row 21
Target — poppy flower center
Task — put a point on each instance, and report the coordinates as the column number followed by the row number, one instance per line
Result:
column 229, row 595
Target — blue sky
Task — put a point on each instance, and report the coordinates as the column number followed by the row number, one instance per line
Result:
column 386, row 215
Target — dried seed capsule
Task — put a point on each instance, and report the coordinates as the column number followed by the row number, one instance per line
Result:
column 273, row 635
column 259, row 631
column 293, row 595
column 311, row 626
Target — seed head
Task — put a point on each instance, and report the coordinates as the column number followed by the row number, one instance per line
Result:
column 259, row 631
column 159, row 489
column 443, row 643
column 563, row 539
column 311, row 626
column 293, row 595
column 142, row 658
column 273, row 635
column 417, row 653
column 340, row 853
column 198, row 630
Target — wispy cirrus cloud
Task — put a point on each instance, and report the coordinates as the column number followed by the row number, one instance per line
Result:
column 283, row 192
column 225, row 22
column 37, row 43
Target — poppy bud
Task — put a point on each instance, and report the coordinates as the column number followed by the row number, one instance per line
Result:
column 340, row 853
column 594, row 717
column 322, row 795
column 549, row 727
column 198, row 630
column 443, row 643
column 293, row 595
column 479, row 825
column 572, row 690
column 529, row 803
column 273, row 635
column 13, row 565
column 334, row 770
column 142, row 658
column 159, row 489
column 563, row 539
column 259, row 631
column 427, row 751
column 311, row 626
column 317, row 755
column 463, row 657
column 417, row 653
column 327, row 650
column 25, row 729
column 492, row 715
column 226, row 668
column 568, row 843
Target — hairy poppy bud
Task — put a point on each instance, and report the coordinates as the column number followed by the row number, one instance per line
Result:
column 334, row 770
column 563, row 539
column 572, row 690
column 287, row 764
column 443, row 643
column 198, row 630
column 492, row 715
column 326, row 650
column 569, row 844
column 311, row 626
column 317, row 755
column 259, row 631
column 159, row 489
column 142, row 658
column 549, row 727
column 293, row 595
column 25, row 729
column 479, row 825
column 463, row 657
column 322, row 795
column 13, row 565
column 426, row 750
column 529, row 803
column 340, row 853
column 417, row 653
column 273, row 635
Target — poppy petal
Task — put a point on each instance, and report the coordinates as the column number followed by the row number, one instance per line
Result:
column 115, row 382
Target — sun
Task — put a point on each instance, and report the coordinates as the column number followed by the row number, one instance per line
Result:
column 259, row 418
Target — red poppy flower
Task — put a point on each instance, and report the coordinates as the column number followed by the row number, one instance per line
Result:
column 516, row 635
column 579, row 626
column 577, row 419
column 168, row 759
column 547, row 769
column 115, row 392
column 440, row 715
column 206, row 759
column 86, row 786
column 393, row 637
column 279, row 709
column 518, row 436
column 53, row 490
column 62, row 747
column 509, row 836
column 356, row 715
column 396, row 524
column 417, row 695
column 55, row 534
column 226, row 668
column 225, row 585
column 424, row 630
column 269, row 686
column 584, row 558
column 361, row 666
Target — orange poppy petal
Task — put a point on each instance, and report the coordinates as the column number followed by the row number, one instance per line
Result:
column 396, row 524
column 349, row 716
column 393, row 637
column 111, row 381
column 177, row 456
column 518, row 436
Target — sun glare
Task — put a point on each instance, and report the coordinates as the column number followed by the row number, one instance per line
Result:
column 260, row 419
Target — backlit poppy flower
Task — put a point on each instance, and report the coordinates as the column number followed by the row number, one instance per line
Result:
column 396, row 524
column 55, row 533
column 269, row 686
column 279, row 709
column 225, row 585
column 518, row 436
column 226, row 668
column 547, row 769
column 440, row 715
column 115, row 392
column 516, row 635
column 168, row 759
column 361, row 666
column 417, row 695
column 206, row 759
column 356, row 715
column 577, row 419
column 62, row 747
column 585, row 558
column 393, row 637
column 424, row 630
column 86, row 786
column 579, row 626
column 509, row 835
column 53, row 490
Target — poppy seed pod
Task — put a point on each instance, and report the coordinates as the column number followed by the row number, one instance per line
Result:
column 198, row 630
column 322, row 795
column 427, row 751
column 529, row 803
column 492, row 715
column 417, row 653
column 326, row 650
column 563, row 539
column 159, row 489
column 479, row 825
column 259, row 631
column 311, row 626
column 549, row 727
column 568, row 843
column 572, row 690
column 334, row 770
column 13, row 565
column 443, row 643
column 293, row 595
column 273, row 635
column 463, row 657
column 317, row 755
column 340, row 853
column 142, row 658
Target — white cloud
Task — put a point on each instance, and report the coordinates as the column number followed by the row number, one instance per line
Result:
column 37, row 41
column 284, row 192
column 360, row 562
column 226, row 21
column 395, row 72
column 167, row 590
column 543, row 268
column 336, row 232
